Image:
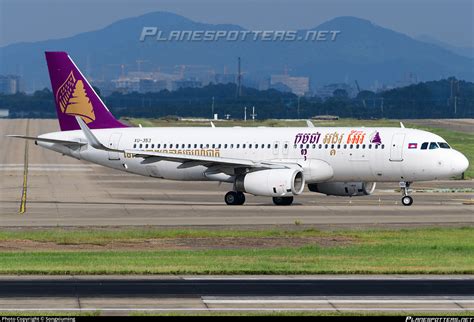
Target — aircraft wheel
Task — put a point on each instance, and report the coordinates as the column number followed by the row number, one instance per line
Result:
column 240, row 198
column 282, row 201
column 233, row 198
column 407, row 200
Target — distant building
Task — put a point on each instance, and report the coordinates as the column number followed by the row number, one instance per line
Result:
column 186, row 84
column 151, row 85
column 9, row 84
column 226, row 78
column 297, row 85
column 127, row 84
column 327, row 90
column 4, row 113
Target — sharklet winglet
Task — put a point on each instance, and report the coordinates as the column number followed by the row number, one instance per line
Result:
column 91, row 138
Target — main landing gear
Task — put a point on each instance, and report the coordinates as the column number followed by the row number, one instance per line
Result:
column 406, row 199
column 237, row 198
column 234, row 198
column 282, row 201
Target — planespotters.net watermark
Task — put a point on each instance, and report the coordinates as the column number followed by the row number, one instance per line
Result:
column 153, row 33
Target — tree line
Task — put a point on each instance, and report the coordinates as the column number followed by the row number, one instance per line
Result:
column 447, row 98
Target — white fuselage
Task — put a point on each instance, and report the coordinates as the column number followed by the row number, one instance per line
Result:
column 394, row 155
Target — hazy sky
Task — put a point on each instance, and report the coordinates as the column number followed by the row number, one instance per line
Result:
column 31, row 20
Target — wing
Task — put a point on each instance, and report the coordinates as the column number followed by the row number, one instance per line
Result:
column 151, row 157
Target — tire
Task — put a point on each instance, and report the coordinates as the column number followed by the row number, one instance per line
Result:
column 231, row 198
column 407, row 200
column 282, row 201
column 240, row 198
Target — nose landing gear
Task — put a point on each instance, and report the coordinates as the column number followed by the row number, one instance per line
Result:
column 406, row 199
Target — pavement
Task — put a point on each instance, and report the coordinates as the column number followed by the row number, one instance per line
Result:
column 58, row 191
column 122, row 295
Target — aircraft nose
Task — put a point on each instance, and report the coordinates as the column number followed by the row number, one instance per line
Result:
column 460, row 163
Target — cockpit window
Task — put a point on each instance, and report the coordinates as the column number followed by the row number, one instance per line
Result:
column 444, row 145
column 424, row 146
column 433, row 145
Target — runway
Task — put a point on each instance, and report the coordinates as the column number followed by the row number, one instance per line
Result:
column 63, row 192
column 233, row 293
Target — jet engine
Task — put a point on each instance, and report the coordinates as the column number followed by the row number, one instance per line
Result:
column 272, row 182
column 347, row 189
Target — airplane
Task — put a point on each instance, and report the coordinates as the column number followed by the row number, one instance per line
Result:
column 271, row 162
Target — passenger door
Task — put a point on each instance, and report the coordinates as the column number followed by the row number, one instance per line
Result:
column 396, row 148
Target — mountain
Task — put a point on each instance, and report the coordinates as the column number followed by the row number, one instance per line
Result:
column 362, row 51
column 461, row 51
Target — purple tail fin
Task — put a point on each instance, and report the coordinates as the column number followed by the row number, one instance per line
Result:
column 74, row 96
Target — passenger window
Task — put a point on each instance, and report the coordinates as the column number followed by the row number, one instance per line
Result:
column 243, row 146
column 376, row 146
column 363, row 146
column 225, row 146
column 383, row 146
column 141, row 145
column 351, row 146
column 164, row 146
column 357, row 146
column 370, row 146
column 213, row 146
column 171, row 146
column 269, row 146
column 195, row 145
column 332, row 146
column 424, row 146
column 134, row 146
column 207, row 146
column 153, row 146
column 238, row 145
column 201, row 146
column 444, row 145
column 232, row 145
column 182, row 146
column 433, row 146
column 158, row 145
column 250, row 146
column 314, row 146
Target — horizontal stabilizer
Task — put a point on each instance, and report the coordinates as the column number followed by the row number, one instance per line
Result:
column 63, row 142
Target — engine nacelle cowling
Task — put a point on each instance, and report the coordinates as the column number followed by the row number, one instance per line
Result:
column 272, row 182
column 347, row 189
